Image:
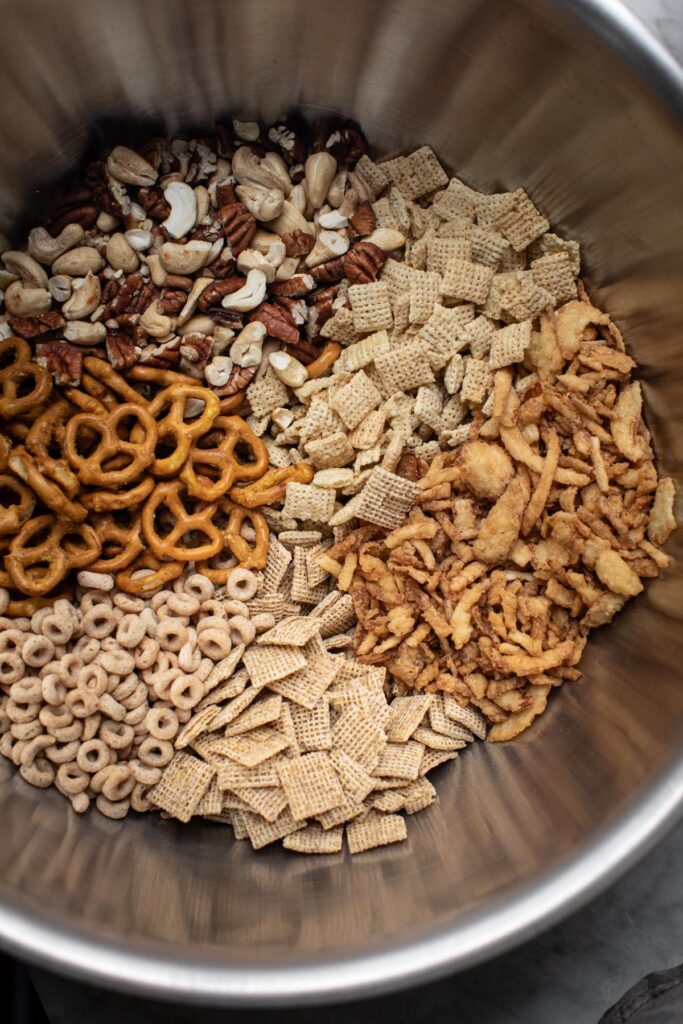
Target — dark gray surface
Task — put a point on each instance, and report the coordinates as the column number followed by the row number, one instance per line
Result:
column 570, row 975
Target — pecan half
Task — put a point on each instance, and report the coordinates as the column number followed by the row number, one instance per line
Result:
column 305, row 351
column 321, row 302
column 110, row 289
column 329, row 272
column 33, row 326
column 134, row 296
column 347, row 145
column 121, row 351
column 225, row 194
column 196, row 348
column 294, row 288
column 76, row 207
column 239, row 226
column 240, row 378
column 227, row 318
column 64, row 361
column 364, row 221
column 179, row 282
column 214, row 293
column 153, row 203
column 297, row 308
column 171, row 301
column 363, row 262
column 298, row 243
column 278, row 322
column 210, row 232
column 290, row 138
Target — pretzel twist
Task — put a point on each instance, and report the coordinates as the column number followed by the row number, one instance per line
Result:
column 17, row 370
column 159, row 574
column 24, row 466
column 211, row 469
column 124, row 497
column 272, row 486
column 121, row 542
column 14, row 514
column 47, row 433
column 139, row 454
column 248, row 556
column 44, row 551
column 168, row 500
column 174, row 426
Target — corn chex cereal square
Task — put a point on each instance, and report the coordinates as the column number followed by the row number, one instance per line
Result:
column 453, row 413
column 554, row 273
column 372, row 174
column 268, row 663
column 425, row 293
column 331, row 452
column 261, row 833
column 406, row 715
column 267, row 394
column 356, row 399
column 304, row 501
column 371, row 306
column 375, row 830
column 182, row 786
column 314, row 839
column 319, row 421
column 549, row 244
column 441, row 336
column 361, row 353
column 424, row 173
column 399, row 209
column 386, row 498
column 312, row 726
column 523, row 223
column 340, row 327
column 463, row 279
column 440, row 251
column 477, row 382
column 404, row 369
column 307, row 686
column 397, row 171
column 384, row 215
column 311, row 785
column 509, row 344
column 491, row 207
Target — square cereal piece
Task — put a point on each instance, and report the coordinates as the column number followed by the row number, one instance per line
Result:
column 477, row 382
column 182, row 786
column 419, row 795
column 428, row 450
column 356, row 399
column 406, row 715
column 252, row 748
column 307, row 686
column 491, row 207
column 384, row 215
column 315, row 574
column 362, row 353
column 549, row 244
column 397, row 171
column 455, row 227
column 262, row 712
column 302, row 590
column 468, row 281
column 331, row 452
column 395, row 276
column 400, row 210
column 347, row 811
column 198, row 724
column 453, row 377
column 428, row 406
column 311, row 785
column 512, row 260
column 341, row 327
column 269, row 803
column 486, row 246
column 468, row 716
column 267, row 394
column 386, row 499
column 440, row 251
column 319, row 421
column 211, row 802
column 291, row 539
column 261, row 833
column 294, row 631
column 523, row 223
column 478, row 335
column 400, row 760
column 521, row 297
column 336, row 617
column 268, row 663
column 314, row 839
column 440, row 722
column 453, row 413
column 312, row 726
column 286, row 727
column 276, row 566
column 368, row 433
column 433, row 758
column 424, row 172
column 372, row 174
column 304, row 501
column 554, row 273
column 360, row 736
column 356, row 782
column 371, row 307
column 232, row 687
column 455, row 204
column 375, row 830
column 509, row 344
column 234, row 776
column 436, row 740
column 425, row 293
column 404, row 369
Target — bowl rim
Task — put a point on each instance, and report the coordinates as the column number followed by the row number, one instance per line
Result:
column 530, row 912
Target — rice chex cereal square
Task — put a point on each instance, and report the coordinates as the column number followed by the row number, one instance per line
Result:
column 356, row 399
column 509, row 344
column 311, row 784
column 371, row 307
column 554, row 273
column 425, row 293
column 463, row 279
column 404, row 369
column 386, row 498
column 305, row 501
column 331, row 452
column 523, row 223
column 267, row 394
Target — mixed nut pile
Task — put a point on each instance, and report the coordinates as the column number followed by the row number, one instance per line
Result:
column 312, row 468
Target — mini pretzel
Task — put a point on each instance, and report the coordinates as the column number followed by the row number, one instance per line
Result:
column 92, row 468
column 45, row 549
column 84, row 402
column 5, row 447
column 112, row 381
column 170, row 499
column 272, row 486
column 46, row 433
column 325, row 361
column 125, row 497
column 26, row 468
column 174, row 425
column 27, row 606
column 121, row 542
column 160, row 574
column 212, row 468
column 248, row 556
column 14, row 513
column 16, row 370
column 232, row 403
column 156, row 375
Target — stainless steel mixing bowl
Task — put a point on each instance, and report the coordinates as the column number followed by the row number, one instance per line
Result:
column 575, row 101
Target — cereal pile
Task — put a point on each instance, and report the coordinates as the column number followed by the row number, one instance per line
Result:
column 313, row 469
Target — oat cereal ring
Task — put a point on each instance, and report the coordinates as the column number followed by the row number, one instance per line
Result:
column 128, row 604
column 36, row 770
column 116, row 661
column 62, row 753
column 189, row 655
column 100, row 622
column 17, row 502
column 11, row 667
column 214, row 643
column 160, row 599
column 143, row 774
column 186, row 692
column 169, row 409
column 12, row 640
column 272, row 487
column 136, row 698
column 26, row 730
column 130, row 631
column 18, row 370
column 93, row 679
column 183, row 604
column 91, row 726
column 86, row 648
column 37, row 651
column 200, row 587
column 161, row 723
column 171, row 635
column 211, row 608
column 146, row 653
column 125, row 688
column 119, row 783
column 263, row 621
column 110, row 707
column 20, row 712
column 137, row 715
column 4, row 600
column 79, row 803
column 146, row 574
column 72, row 779
column 155, row 753
column 211, row 622
column 242, row 630
column 57, row 717
column 74, row 731
column 53, row 691
column 242, row 585
column 69, row 669
column 27, row 690
column 139, row 801
column 116, row 810
column 81, row 703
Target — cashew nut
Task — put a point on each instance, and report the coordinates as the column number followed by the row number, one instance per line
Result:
column 363, row 190
column 350, row 204
column 136, row 217
column 289, row 370
column 106, row 222
column 335, row 193
column 83, row 332
column 218, row 371
column 287, row 268
column 282, row 417
column 138, row 239
column 248, row 169
column 183, row 202
column 330, row 244
column 223, row 337
column 59, row 287
column 263, row 203
column 201, row 324
column 247, row 131
column 276, row 165
column 6, row 278
column 252, row 259
column 85, row 298
column 387, row 239
column 155, row 323
column 128, row 166
column 184, row 259
column 192, row 299
column 120, row 255
column 319, row 169
column 290, row 220
column 250, row 294
column 44, row 248
column 157, row 272
column 201, row 195
column 247, row 348
column 271, row 245
column 22, row 301
column 28, row 269
column 78, row 262
column 333, row 220
column 298, row 198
